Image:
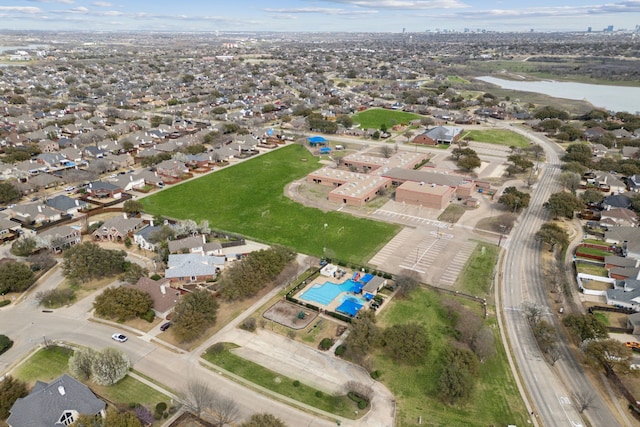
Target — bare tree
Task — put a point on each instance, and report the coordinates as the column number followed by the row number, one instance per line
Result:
column 198, row 396
column 484, row 344
column 224, row 410
column 386, row 151
column 554, row 355
column 584, row 400
column 406, row 282
column 533, row 311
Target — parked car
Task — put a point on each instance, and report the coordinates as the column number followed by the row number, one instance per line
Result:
column 165, row 326
column 119, row 337
column 70, row 188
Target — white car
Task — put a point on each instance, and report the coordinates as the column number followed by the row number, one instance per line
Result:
column 119, row 337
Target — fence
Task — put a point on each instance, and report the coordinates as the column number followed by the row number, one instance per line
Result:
column 633, row 403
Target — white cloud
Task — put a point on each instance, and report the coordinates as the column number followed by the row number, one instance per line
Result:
column 102, row 4
column 403, row 4
column 20, row 9
column 320, row 10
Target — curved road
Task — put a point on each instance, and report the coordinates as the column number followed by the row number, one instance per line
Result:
column 549, row 388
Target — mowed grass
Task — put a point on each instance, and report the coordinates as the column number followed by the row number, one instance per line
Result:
column 338, row 405
column 248, row 198
column 475, row 278
column 49, row 363
column 496, row 400
column 498, row 136
column 376, row 117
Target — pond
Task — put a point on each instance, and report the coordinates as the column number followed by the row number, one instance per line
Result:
column 613, row 98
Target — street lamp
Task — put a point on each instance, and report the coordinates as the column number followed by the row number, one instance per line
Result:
column 324, row 240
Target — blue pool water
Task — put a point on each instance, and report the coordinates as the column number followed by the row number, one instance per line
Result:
column 328, row 291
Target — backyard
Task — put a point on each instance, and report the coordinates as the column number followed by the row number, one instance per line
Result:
column 249, row 199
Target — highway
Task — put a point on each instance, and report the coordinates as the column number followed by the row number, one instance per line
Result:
column 549, row 389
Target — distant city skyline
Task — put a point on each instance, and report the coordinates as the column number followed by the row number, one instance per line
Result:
column 318, row 15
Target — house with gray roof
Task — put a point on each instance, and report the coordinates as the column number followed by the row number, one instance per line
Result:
column 439, row 135
column 34, row 213
column 116, row 229
column 192, row 267
column 66, row 204
column 628, row 237
column 101, row 189
column 61, row 237
column 625, row 293
column 57, row 403
column 192, row 244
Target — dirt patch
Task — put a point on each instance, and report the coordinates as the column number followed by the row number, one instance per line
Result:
column 290, row 315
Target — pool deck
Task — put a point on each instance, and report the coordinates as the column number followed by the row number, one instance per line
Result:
column 319, row 281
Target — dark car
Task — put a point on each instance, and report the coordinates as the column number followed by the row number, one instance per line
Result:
column 165, row 326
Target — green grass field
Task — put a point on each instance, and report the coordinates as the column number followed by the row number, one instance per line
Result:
column 248, row 198
column 376, row 117
column 498, row 136
column 339, row 405
column 496, row 400
column 473, row 278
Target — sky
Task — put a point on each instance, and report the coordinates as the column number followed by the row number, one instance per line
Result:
column 318, row 15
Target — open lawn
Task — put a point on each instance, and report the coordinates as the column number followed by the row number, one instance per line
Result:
column 497, row 136
column 476, row 277
column 496, row 400
column 595, row 270
column 376, row 117
column 130, row 390
column 339, row 405
column 249, row 199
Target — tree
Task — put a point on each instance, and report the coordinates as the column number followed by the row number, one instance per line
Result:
column 592, row 197
column 457, row 380
column 24, row 246
column 469, row 163
column 484, row 343
column 15, row 277
column 533, row 312
column 224, row 410
column 564, row 204
column 87, row 261
column 263, row 420
column 121, row 419
column 8, row 193
column 362, row 390
column 514, row 200
column 552, row 234
column 11, row 389
column 81, row 363
column 132, row 207
column 122, row 303
column 406, row 343
column 545, row 335
column 363, row 335
column 578, row 152
column 607, row 352
column 193, row 314
column 197, row 396
column 133, row 272
column 406, row 282
column 109, row 366
column 458, row 152
column 583, row 399
column 386, row 151
column 5, row 343
column 520, row 162
column 586, row 326
column 570, row 181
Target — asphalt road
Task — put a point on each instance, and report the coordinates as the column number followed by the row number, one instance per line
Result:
column 550, row 389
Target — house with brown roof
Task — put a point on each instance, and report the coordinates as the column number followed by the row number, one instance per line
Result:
column 164, row 297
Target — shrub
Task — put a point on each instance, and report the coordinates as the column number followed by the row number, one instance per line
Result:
column 54, row 298
column 319, row 394
column 326, row 343
column 375, row 374
column 156, row 277
column 4, row 302
column 296, row 383
column 161, row 407
column 340, row 350
column 362, row 404
column 248, row 324
column 217, row 348
column 149, row 316
column 5, row 343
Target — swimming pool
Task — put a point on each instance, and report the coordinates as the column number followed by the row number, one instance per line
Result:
column 328, row 291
